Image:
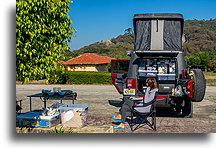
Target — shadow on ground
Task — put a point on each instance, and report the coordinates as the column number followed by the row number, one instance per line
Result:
column 160, row 111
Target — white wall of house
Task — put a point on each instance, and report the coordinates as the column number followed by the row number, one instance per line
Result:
column 101, row 67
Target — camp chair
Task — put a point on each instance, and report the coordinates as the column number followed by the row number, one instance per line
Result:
column 18, row 106
column 142, row 112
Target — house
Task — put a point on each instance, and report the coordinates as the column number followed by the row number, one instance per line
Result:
column 88, row 62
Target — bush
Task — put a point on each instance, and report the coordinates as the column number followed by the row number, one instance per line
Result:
column 212, row 65
column 201, row 60
column 76, row 77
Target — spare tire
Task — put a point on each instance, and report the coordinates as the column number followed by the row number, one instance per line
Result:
column 199, row 85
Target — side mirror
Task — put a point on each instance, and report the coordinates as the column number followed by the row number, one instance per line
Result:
column 185, row 38
column 128, row 53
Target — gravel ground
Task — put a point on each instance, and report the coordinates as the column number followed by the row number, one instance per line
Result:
column 100, row 112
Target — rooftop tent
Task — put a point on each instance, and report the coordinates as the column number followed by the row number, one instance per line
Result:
column 158, row 31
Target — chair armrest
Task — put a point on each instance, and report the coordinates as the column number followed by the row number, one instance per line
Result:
column 18, row 100
column 137, row 99
column 151, row 102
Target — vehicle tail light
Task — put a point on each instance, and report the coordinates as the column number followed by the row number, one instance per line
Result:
column 131, row 83
column 184, row 73
column 114, row 76
column 190, row 88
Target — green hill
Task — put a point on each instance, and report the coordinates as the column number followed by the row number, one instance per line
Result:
column 115, row 47
column 201, row 34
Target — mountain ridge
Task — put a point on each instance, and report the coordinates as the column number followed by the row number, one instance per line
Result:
column 201, row 35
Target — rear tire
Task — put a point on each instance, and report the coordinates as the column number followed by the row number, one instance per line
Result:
column 187, row 110
column 199, row 85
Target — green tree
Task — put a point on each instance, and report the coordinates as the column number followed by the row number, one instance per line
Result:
column 128, row 31
column 205, row 58
column 193, row 61
column 200, row 60
column 43, row 30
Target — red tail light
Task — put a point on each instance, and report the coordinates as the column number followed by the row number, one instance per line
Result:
column 184, row 73
column 190, row 88
column 114, row 76
column 131, row 83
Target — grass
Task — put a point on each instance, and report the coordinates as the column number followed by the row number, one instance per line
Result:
column 210, row 74
column 61, row 130
column 210, row 78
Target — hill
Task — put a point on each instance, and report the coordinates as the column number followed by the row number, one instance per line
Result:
column 201, row 35
column 115, row 47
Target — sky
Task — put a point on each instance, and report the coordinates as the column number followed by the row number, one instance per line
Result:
column 97, row 20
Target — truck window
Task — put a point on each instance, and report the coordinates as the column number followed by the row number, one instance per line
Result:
column 120, row 66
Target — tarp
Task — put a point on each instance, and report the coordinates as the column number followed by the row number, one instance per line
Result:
column 158, row 31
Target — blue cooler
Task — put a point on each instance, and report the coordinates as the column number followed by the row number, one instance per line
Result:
column 35, row 119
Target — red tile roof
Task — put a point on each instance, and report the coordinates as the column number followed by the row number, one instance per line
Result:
column 88, row 59
column 63, row 62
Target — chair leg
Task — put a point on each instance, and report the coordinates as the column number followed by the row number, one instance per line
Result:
column 131, row 122
column 155, row 128
column 151, row 123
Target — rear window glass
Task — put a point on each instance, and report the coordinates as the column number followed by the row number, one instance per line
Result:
column 120, row 66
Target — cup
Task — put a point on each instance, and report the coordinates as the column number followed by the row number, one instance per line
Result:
column 55, row 89
column 59, row 89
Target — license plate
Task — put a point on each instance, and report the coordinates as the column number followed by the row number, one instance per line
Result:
column 129, row 91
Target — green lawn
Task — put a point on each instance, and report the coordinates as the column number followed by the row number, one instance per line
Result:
column 210, row 78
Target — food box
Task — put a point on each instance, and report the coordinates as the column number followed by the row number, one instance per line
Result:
column 72, row 118
column 35, row 119
column 73, row 115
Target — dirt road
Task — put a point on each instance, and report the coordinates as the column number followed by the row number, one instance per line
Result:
column 100, row 112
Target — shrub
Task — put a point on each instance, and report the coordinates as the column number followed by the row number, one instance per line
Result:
column 212, row 65
column 76, row 77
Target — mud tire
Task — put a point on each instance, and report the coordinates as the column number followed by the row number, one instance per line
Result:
column 199, row 85
column 187, row 110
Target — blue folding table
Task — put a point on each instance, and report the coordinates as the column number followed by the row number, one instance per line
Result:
column 53, row 96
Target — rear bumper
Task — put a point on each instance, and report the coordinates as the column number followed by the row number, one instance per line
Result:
column 163, row 102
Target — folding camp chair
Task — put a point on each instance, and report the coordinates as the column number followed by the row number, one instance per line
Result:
column 18, row 106
column 145, row 114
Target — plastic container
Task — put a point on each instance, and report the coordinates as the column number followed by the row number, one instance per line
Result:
column 35, row 119
column 162, row 77
column 171, row 77
column 144, row 73
column 74, row 107
column 80, row 112
column 166, row 76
